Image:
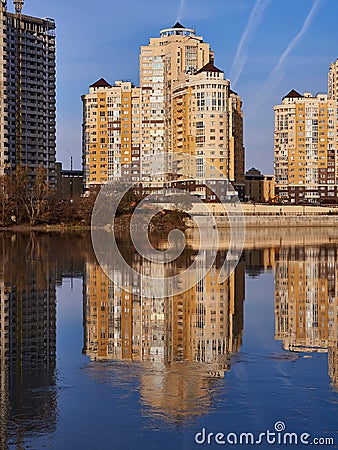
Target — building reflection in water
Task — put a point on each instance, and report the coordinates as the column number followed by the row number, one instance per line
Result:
column 31, row 265
column 306, row 302
column 259, row 261
column 186, row 339
column 184, row 342
column 28, row 338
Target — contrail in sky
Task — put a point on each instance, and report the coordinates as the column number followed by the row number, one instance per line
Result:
column 276, row 75
column 294, row 42
column 241, row 54
column 180, row 10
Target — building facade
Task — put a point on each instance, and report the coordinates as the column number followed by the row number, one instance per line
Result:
column 111, row 132
column 204, row 116
column 28, row 93
column 68, row 183
column 259, row 188
column 305, row 144
column 184, row 105
column 177, row 51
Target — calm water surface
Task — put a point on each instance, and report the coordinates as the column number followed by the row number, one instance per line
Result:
column 87, row 365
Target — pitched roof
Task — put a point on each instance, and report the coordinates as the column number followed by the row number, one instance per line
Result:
column 293, row 94
column 209, row 68
column 101, row 83
column 178, row 25
column 232, row 92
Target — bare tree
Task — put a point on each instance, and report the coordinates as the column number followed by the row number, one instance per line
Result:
column 31, row 195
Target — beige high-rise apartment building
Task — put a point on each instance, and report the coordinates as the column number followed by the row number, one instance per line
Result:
column 177, row 51
column 205, row 113
column 111, row 132
column 305, row 143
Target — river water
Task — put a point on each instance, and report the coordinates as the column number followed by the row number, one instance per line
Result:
column 89, row 363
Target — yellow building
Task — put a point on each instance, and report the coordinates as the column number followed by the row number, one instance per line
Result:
column 305, row 143
column 205, row 116
column 111, row 132
column 178, row 50
column 236, row 144
column 200, row 121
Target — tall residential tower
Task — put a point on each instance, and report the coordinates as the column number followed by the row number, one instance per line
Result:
column 177, row 51
column 27, row 92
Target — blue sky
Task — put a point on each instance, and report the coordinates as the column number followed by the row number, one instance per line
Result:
column 101, row 38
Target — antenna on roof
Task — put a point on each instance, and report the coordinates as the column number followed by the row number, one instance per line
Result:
column 18, row 6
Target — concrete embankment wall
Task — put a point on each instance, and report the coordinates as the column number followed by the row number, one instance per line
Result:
column 264, row 210
column 290, row 216
column 270, row 221
column 256, row 215
column 274, row 216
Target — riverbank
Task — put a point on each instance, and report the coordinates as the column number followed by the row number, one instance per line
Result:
column 57, row 228
column 123, row 224
column 253, row 216
column 165, row 220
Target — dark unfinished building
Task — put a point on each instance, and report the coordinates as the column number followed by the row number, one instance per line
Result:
column 27, row 92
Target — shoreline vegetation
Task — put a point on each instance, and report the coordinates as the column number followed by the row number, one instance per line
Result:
column 28, row 203
column 31, row 205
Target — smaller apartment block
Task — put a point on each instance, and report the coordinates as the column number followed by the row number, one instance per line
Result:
column 305, row 143
column 305, row 146
column 111, row 132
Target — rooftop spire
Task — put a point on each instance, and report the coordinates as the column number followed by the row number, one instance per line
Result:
column 178, row 25
column 18, row 5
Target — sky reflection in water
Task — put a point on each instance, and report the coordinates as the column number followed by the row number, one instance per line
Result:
column 85, row 365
